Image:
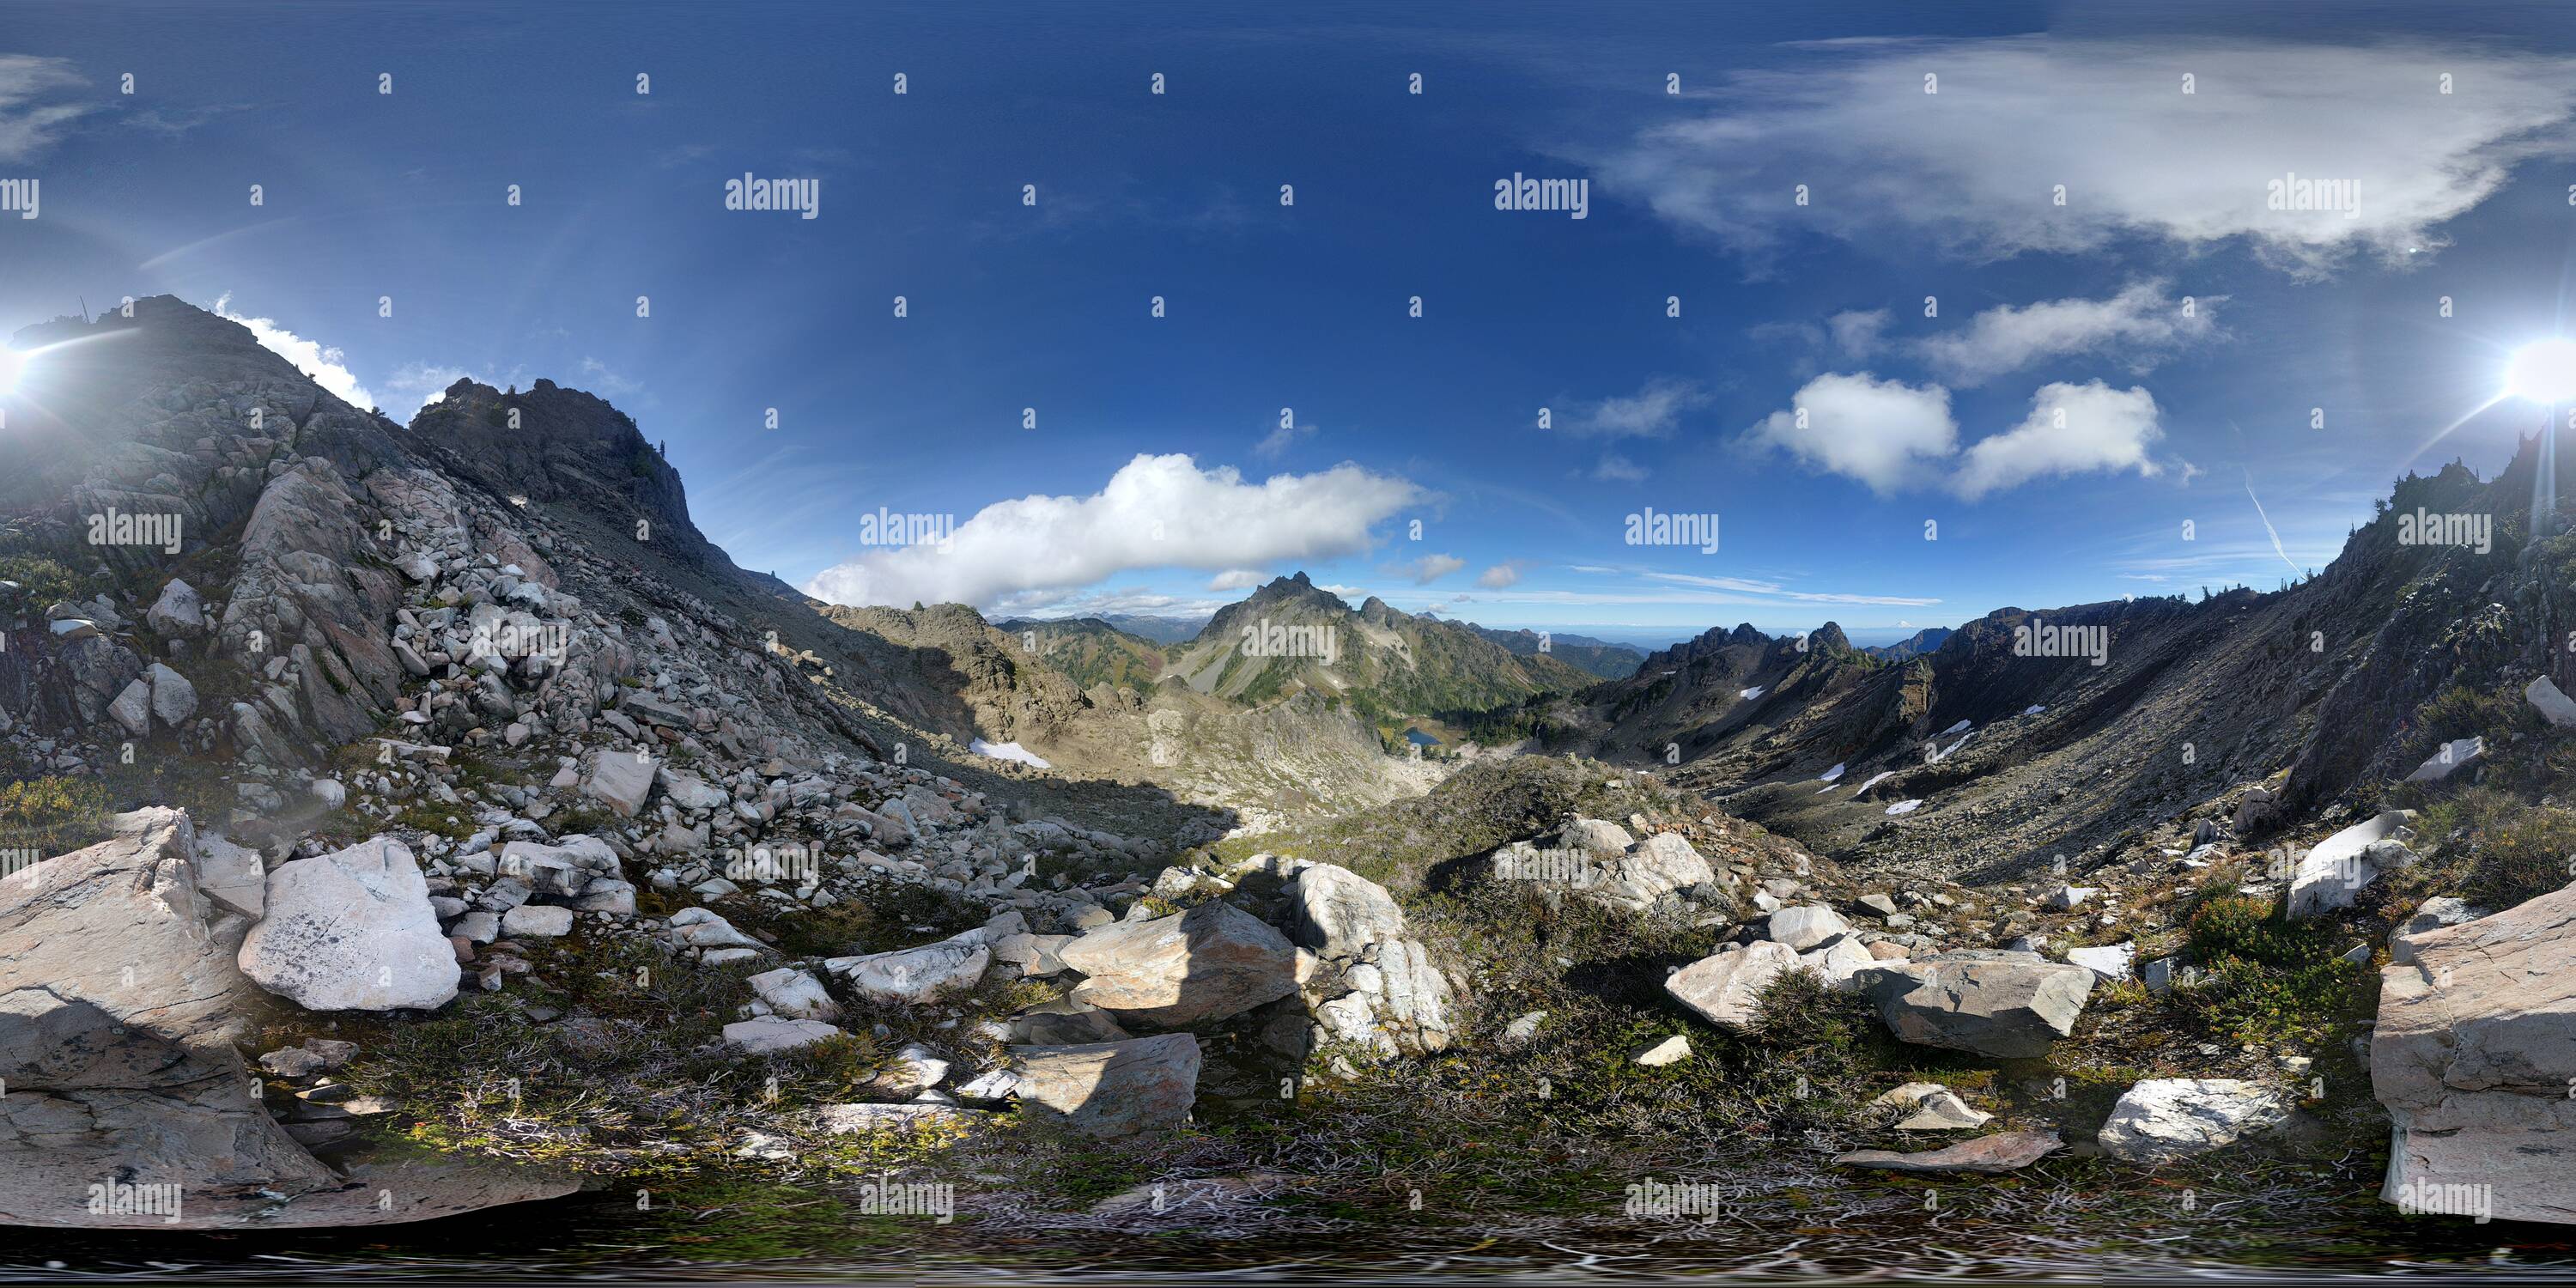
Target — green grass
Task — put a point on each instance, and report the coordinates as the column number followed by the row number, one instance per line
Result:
column 2263, row 978
column 2515, row 851
column 54, row 815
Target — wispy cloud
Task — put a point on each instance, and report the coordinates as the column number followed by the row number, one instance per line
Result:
column 29, row 124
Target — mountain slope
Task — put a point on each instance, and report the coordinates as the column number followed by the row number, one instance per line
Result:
column 2018, row 755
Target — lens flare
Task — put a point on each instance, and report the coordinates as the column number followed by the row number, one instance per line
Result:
column 2543, row 371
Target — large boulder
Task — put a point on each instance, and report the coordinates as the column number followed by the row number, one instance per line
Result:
column 1340, row 912
column 2331, row 875
column 622, row 779
column 2006, row 1005
column 128, row 1105
column 915, row 975
column 1385, row 990
column 1209, row 963
column 2161, row 1120
column 1806, row 926
column 174, row 700
column 2473, row 1050
column 1725, row 988
column 1111, row 1088
column 1662, row 864
column 352, row 931
column 179, row 613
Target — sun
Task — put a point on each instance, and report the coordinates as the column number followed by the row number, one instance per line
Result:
column 11, row 363
column 2543, row 371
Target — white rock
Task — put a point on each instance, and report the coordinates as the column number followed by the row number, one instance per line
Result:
column 2329, row 876
column 330, row 793
column 771, row 1033
column 1725, row 988
column 2108, row 963
column 1805, row 926
column 2453, row 757
column 2164, row 1119
column 351, row 931
column 174, row 700
column 794, row 994
column 914, row 975
column 534, row 921
column 1672, row 1050
column 2555, row 707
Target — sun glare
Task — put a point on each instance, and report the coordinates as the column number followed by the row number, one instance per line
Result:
column 2543, row 371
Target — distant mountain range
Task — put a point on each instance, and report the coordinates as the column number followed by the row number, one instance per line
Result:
column 1595, row 657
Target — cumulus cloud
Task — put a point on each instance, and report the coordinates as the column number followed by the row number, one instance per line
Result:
column 1885, row 433
column 1651, row 412
column 1499, row 576
column 28, row 125
column 1155, row 512
column 1972, row 169
column 1236, row 579
column 2142, row 324
column 1425, row 570
column 2071, row 429
column 327, row 366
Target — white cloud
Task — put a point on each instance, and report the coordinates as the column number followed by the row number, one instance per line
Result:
column 1972, row 169
column 1615, row 468
column 2071, row 429
column 327, row 366
column 420, row 384
column 1499, row 576
column 606, row 382
column 1650, row 412
column 1278, row 441
column 28, row 128
column 1884, row 433
column 1236, row 579
column 2141, row 324
column 1857, row 333
column 1425, row 570
column 1155, row 512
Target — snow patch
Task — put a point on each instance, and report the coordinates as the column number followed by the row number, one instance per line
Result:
column 1751, row 693
column 1874, row 780
column 2033, row 710
column 1904, row 807
column 1831, row 774
column 1007, row 751
column 1956, row 727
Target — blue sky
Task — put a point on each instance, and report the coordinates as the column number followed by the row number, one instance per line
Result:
column 1157, row 478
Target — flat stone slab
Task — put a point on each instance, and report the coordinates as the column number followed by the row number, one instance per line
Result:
column 1991, row 1155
